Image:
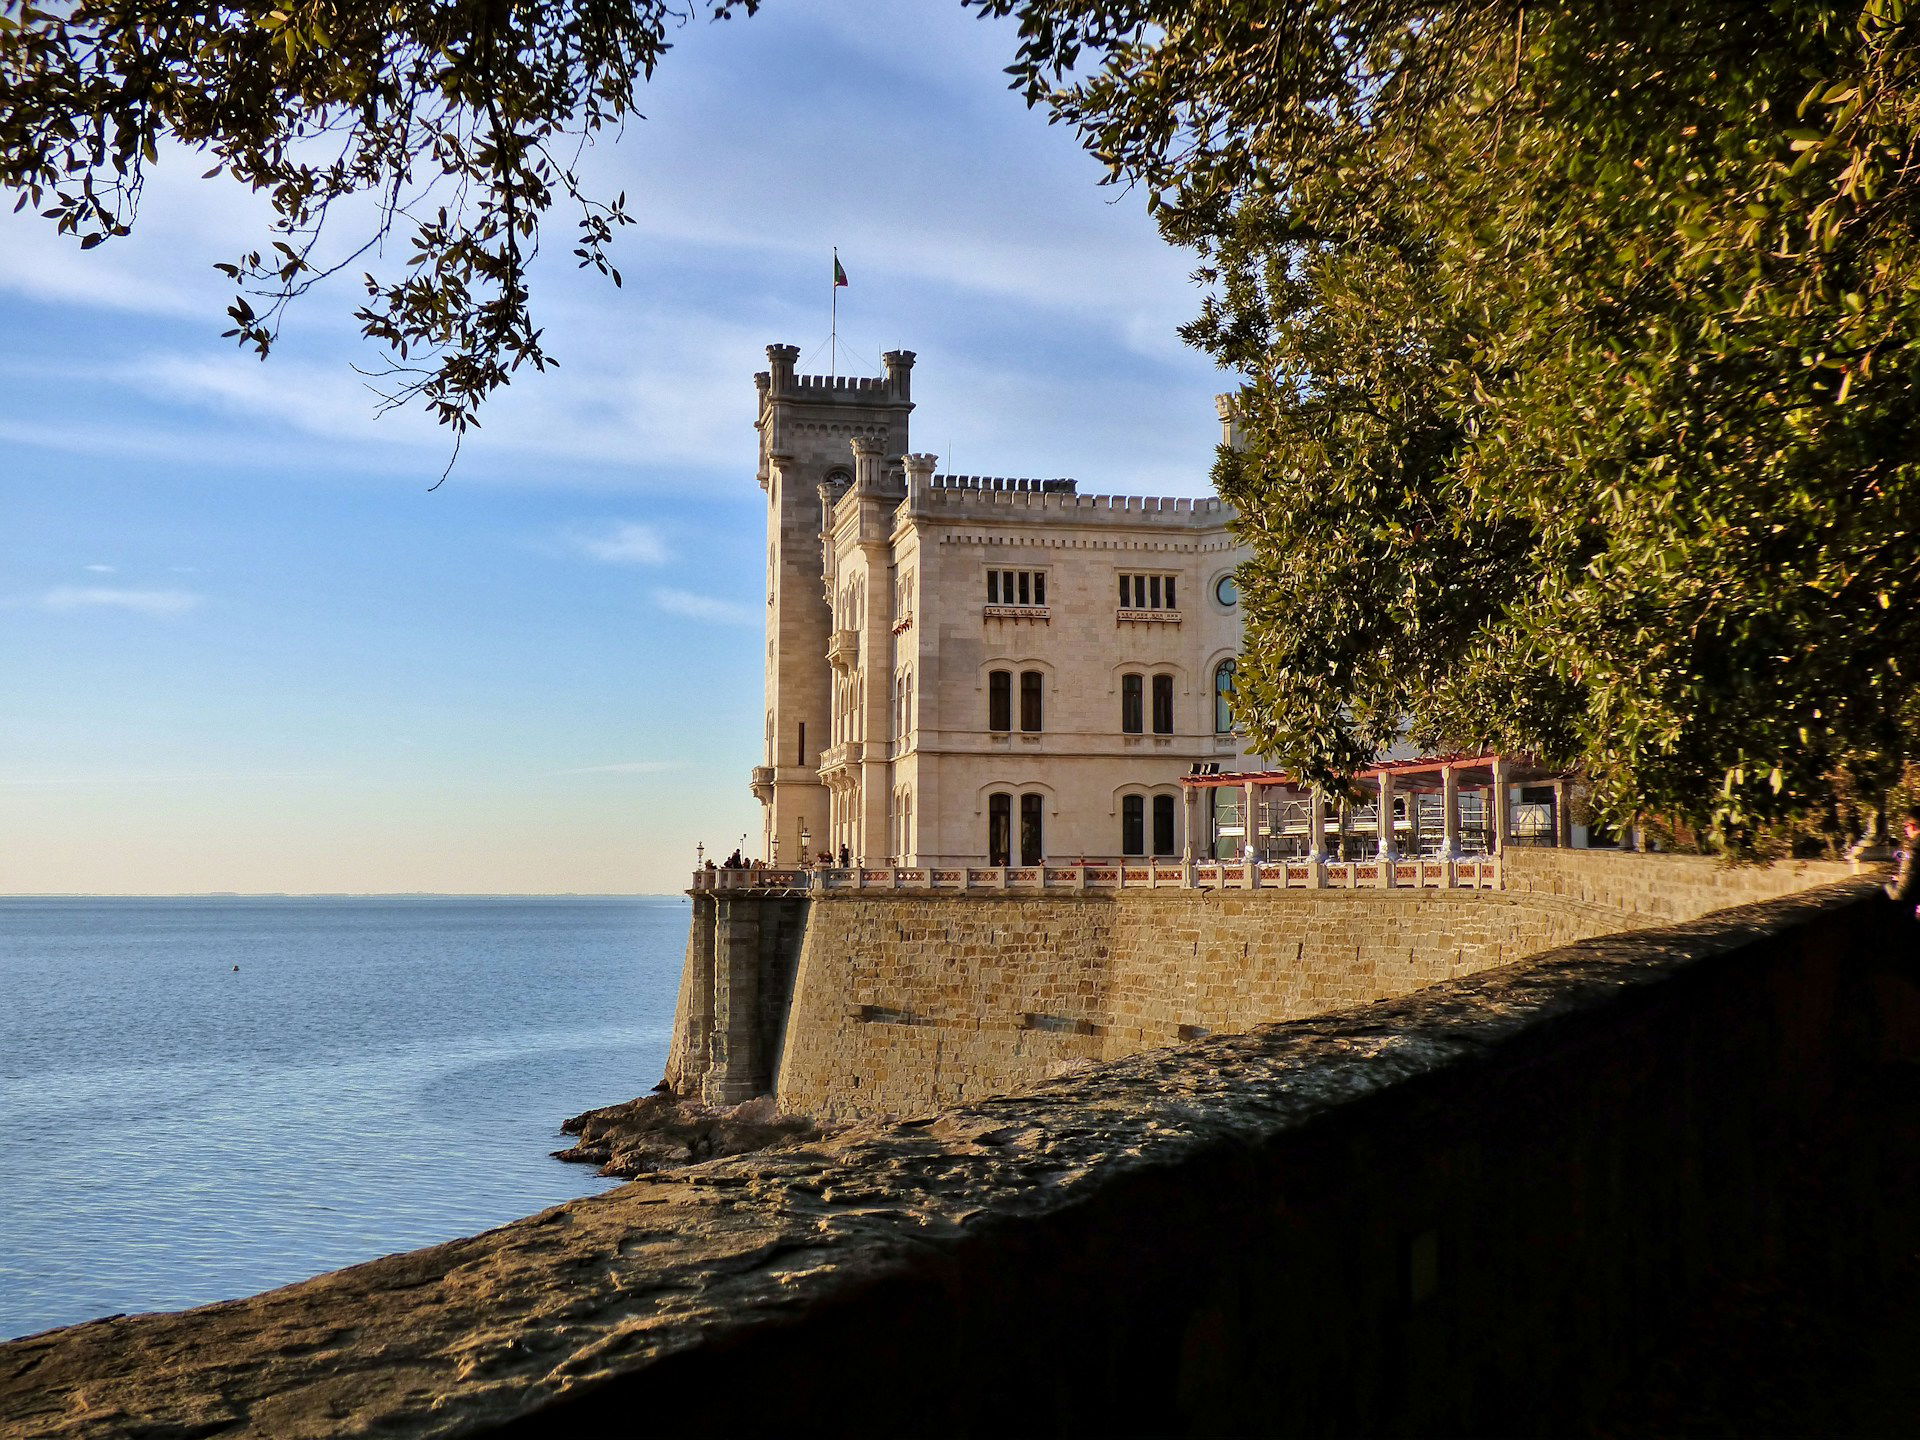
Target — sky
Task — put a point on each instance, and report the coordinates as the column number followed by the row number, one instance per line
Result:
column 245, row 648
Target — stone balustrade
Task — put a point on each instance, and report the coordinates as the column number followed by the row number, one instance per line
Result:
column 1474, row 873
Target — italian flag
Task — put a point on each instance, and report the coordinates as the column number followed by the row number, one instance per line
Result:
column 839, row 275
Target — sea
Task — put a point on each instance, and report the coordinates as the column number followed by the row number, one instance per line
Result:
column 201, row 1098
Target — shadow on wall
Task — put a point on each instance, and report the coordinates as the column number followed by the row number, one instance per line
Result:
column 1468, row 1210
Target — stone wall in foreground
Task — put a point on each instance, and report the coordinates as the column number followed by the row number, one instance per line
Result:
column 1471, row 1210
column 904, row 1003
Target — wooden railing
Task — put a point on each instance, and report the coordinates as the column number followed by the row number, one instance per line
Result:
column 1475, row 873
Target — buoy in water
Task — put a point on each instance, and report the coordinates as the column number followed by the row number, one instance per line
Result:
column 236, row 969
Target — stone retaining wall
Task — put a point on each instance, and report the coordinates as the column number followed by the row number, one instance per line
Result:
column 1465, row 1211
column 905, row 1003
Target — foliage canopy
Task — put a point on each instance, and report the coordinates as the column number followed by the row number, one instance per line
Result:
column 1581, row 344
column 1580, row 340
column 458, row 122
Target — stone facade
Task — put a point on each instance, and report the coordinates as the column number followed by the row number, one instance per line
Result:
column 969, row 670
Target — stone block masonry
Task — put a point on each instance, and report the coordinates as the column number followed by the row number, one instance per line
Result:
column 903, row 1003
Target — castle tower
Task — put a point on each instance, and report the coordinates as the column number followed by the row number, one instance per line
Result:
column 808, row 427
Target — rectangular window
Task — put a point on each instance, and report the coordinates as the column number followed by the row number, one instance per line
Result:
column 1031, row 850
column 1163, row 704
column 999, row 829
column 1148, row 592
column 1000, row 700
column 1133, row 825
column 1016, row 587
column 801, row 758
column 1130, row 704
column 1029, row 699
column 1163, row 825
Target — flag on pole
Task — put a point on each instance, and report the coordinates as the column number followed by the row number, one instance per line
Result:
column 839, row 275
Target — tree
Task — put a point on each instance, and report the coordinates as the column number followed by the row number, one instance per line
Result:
column 1581, row 345
column 453, row 121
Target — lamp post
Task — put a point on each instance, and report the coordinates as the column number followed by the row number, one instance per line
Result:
column 700, row 856
column 806, row 845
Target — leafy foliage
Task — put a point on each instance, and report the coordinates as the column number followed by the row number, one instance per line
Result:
column 1580, row 344
column 458, row 121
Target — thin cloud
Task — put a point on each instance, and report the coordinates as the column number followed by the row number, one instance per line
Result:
column 625, row 543
column 706, row 607
column 160, row 603
column 101, row 569
column 624, row 767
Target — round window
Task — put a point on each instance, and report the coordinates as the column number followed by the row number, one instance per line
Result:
column 1227, row 591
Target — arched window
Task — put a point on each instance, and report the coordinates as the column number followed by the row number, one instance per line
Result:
column 1133, row 825
column 1000, row 700
column 1223, row 696
column 1132, row 720
column 1163, row 704
column 1030, row 700
column 1032, row 840
column 1163, row 825
column 1000, row 829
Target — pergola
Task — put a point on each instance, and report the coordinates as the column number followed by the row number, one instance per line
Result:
column 1440, row 807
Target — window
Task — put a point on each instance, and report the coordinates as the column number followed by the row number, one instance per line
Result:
column 1163, row 824
column 1130, row 708
column 1163, row 704
column 1031, row 850
column 1000, row 700
column 1029, row 699
column 1016, row 587
column 1148, row 592
column 999, row 829
column 1223, row 697
column 1227, row 591
column 1133, row 825
column 801, row 757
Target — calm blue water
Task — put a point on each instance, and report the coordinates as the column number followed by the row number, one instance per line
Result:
column 379, row 1074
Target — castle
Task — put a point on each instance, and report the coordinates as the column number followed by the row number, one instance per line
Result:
column 968, row 670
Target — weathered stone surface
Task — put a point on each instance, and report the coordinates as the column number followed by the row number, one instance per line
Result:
column 1211, row 1238
column 661, row 1131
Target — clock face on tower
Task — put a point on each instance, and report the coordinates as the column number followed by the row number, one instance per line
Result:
column 1227, row 591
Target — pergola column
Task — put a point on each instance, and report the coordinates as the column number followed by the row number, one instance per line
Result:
column 1498, row 808
column 1316, row 826
column 1562, row 816
column 1450, row 811
column 1248, row 823
column 1189, row 805
column 1386, row 846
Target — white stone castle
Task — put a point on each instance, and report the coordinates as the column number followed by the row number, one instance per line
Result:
column 973, row 671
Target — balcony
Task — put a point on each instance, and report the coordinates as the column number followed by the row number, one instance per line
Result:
column 1127, row 616
column 1016, row 612
column 762, row 784
column 843, row 649
column 839, row 760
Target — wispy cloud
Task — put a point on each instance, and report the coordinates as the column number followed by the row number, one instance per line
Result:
column 162, row 603
column 695, row 606
column 624, row 767
column 101, row 569
column 623, row 543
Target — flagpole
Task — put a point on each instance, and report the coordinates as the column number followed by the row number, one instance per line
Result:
column 833, row 335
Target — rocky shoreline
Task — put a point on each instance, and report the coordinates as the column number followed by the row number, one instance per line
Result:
column 663, row 1131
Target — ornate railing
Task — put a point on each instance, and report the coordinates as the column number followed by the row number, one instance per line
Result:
column 1475, row 873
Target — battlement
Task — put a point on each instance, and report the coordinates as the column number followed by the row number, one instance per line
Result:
column 996, row 482
column 840, row 382
column 779, row 380
column 1058, row 501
